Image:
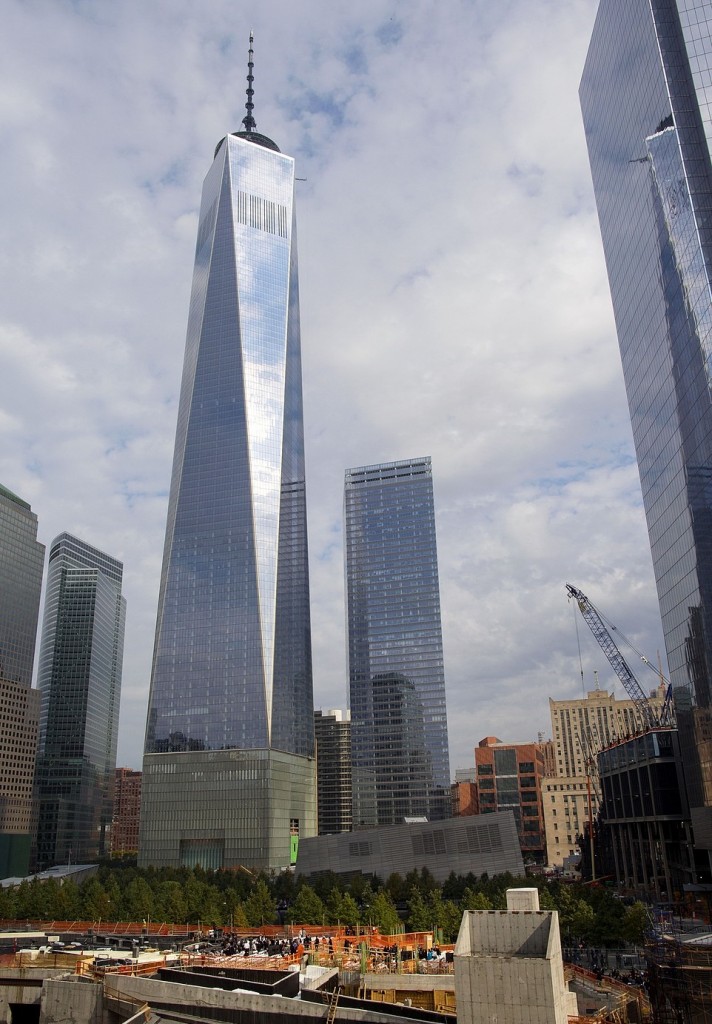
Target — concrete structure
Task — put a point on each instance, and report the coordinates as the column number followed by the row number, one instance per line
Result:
column 401, row 765
column 228, row 773
column 645, row 98
column 127, row 812
column 478, row 844
column 51, row 996
column 79, row 680
column 21, row 565
column 509, row 777
column 332, row 734
column 509, row 968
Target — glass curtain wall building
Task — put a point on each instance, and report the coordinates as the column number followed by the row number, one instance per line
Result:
column 645, row 95
column 229, row 772
column 397, row 681
column 80, row 686
column 21, row 567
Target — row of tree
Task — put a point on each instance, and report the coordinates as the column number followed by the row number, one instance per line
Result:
column 227, row 899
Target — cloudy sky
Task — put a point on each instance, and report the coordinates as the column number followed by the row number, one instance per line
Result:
column 454, row 304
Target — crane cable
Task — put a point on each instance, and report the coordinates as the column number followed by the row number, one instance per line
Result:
column 614, row 629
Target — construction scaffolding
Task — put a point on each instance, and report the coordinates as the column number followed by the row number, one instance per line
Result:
column 680, row 981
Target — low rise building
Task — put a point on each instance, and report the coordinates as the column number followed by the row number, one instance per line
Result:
column 509, row 777
column 478, row 844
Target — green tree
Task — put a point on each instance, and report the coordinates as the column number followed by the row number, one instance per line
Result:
column 349, row 910
column 170, row 903
column 307, row 908
column 333, row 906
column 419, row 919
column 582, row 920
column 384, row 914
column 8, row 904
column 194, row 894
column 472, row 900
column 260, row 907
column 396, row 887
column 139, row 901
column 443, row 914
column 635, row 924
column 68, row 901
column 94, row 901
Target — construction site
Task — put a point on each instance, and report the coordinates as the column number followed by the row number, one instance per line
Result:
column 680, row 979
column 506, row 966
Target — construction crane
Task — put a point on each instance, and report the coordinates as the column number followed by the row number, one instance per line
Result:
column 651, row 716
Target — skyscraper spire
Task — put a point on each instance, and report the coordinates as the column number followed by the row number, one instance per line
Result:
column 248, row 120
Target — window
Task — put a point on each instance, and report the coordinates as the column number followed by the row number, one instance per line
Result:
column 485, row 769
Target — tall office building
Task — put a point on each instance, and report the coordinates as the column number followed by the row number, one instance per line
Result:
column 21, row 565
column 645, row 96
column 127, row 812
column 332, row 732
column 80, row 686
column 229, row 773
column 397, row 681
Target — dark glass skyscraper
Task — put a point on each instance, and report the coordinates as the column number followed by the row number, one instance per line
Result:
column 80, row 686
column 229, row 776
column 645, row 95
column 396, row 675
column 332, row 731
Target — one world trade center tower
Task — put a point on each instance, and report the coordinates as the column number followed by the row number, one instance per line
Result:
column 228, row 776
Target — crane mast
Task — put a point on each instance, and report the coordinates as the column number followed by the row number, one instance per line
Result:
column 649, row 715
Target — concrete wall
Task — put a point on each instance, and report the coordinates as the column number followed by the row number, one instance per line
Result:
column 21, row 986
column 509, row 968
column 72, row 1000
column 245, row 1006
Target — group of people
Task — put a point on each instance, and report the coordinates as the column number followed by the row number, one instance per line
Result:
column 260, row 945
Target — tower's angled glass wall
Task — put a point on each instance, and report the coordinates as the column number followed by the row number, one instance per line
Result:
column 397, row 682
column 21, row 565
column 232, row 675
column 232, row 662
column 80, row 686
column 644, row 96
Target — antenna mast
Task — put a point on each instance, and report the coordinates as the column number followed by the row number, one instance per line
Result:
column 248, row 120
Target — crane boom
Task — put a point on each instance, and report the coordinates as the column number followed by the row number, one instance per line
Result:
column 618, row 663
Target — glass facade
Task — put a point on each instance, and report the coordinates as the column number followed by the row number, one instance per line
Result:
column 397, row 681
column 644, row 96
column 232, row 658
column 21, row 566
column 80, row 687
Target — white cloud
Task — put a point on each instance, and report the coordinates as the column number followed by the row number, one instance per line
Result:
column 454, row 303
